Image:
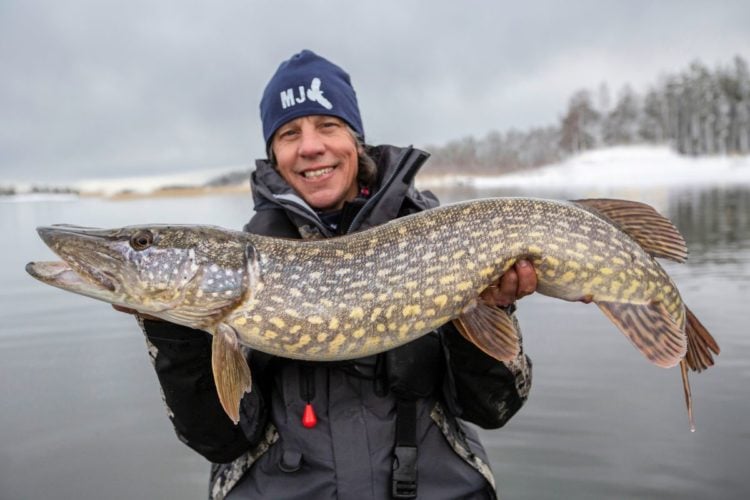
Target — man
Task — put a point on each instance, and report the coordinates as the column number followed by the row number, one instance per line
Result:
column 386, row 426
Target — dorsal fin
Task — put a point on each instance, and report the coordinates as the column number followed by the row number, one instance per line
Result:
column 654, row 232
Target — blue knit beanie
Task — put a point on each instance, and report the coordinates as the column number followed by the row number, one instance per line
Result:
column 305, row 85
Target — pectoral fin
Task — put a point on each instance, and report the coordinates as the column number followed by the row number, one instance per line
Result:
column 491, row 329
column 231, row 373
column 651, row 329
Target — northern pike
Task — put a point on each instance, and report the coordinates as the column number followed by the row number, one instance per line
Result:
column 368, row 292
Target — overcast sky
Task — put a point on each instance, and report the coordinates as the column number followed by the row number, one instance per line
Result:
column 94, row 88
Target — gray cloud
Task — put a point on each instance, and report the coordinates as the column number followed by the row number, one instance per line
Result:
column 95, row 88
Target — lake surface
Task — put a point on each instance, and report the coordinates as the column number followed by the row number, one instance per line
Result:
column 82, row 418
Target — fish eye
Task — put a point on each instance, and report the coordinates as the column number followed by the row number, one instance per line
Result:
column 141, row 240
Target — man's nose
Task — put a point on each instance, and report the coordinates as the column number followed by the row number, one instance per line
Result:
column 311, row 144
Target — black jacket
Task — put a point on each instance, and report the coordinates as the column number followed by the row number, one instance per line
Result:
column 349, row 453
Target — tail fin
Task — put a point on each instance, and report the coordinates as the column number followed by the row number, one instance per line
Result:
column 700, row 344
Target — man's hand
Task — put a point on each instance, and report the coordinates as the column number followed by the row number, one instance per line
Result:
column 133, row 311
column 519, row 281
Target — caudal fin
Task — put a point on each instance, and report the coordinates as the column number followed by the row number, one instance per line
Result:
column 701, row 344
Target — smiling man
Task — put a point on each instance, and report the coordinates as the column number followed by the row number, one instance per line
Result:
column 385, row 426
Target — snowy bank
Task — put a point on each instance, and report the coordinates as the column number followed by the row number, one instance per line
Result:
column 625, row 166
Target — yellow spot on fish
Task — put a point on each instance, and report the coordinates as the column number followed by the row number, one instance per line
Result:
column 257, row 318
column 380, row 327
column 375, row 313
column 440, row 300
column 552, row 261
column 357, row 313
column 618, row 261
column 581, row 247
column 359, row 333
column 550, row 273
column 597, row 258
column 333, row 324
column 534, row 249
column 277, row 322
column 315, row 320
column 294, row 292
column 573, row 265
column 412, row 310
column 336, row 343
column 402, row 331
column 458, row 254
column 447, row 279
column 368, row 296
column 430, row 312
column 464, row 285
column 419, row 325
column 270, row 334
column 240, row 321
column 606, row 271
column 322, row 336
column 410, row 284
column 568, row 277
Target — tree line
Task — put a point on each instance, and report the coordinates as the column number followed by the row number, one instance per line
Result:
column 697, row 111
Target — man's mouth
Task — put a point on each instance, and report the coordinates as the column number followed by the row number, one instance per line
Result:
column 311, row 174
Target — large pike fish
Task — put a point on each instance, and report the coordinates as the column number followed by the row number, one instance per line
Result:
column 371, row 291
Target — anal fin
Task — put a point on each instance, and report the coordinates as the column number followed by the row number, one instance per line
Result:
column 700, row 344
column 491, row 329
column 650, row 328
column 231, row 373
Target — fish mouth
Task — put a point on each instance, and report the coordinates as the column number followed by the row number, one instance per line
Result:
column 61, row 275
column 83, row 253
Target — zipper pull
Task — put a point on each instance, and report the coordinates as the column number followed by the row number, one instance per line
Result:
column 309, row 419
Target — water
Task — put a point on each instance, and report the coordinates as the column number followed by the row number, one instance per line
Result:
column 82, row 417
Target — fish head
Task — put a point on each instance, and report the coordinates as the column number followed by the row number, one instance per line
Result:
column 186, row 274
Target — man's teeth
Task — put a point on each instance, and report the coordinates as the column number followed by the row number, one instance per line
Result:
column 317, row 173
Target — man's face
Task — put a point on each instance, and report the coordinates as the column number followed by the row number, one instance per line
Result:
column 317, row 156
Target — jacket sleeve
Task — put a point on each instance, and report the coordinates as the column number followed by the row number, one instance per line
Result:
column 483, row 391
column 182, row 359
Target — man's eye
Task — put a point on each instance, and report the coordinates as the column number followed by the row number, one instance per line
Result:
column 287, row 134
column 330, row 124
